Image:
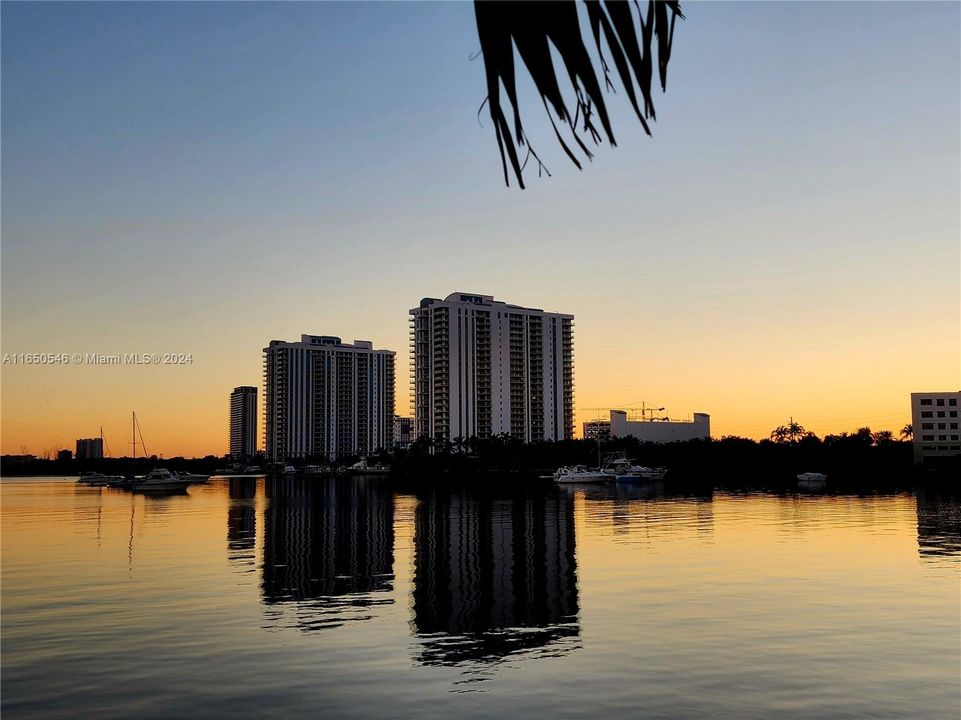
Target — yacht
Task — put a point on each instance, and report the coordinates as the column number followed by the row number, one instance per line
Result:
column 289, row 470
column 641, row 474
column 362, row 468
column 161, row 479
column 97, row 479
column 812, row 480
column 579, row 474
column 194, row 478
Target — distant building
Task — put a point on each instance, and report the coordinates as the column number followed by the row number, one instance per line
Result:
column 403, row 432
column 89, row 449
column 243, row 423
column 934, row 420
column 325, row 398
column 661, row 431
column 65, row 455
column 597, row 430
column 482, row 367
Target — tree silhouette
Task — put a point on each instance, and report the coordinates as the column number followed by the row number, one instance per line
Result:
column 789, row 433
column 534, row 27
column 907, row 432
column 883, row 437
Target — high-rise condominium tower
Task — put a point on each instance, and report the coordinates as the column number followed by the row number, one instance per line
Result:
column 325, row 398
column 243, row 423
column 483, row 367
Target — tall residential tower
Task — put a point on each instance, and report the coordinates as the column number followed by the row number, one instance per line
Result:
column 325, row 398
column 482, row 367
column 243, row 423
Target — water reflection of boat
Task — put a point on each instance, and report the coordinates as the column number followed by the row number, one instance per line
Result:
column 493, row 577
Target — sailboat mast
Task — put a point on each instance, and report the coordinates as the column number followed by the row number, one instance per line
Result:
column 133, row 433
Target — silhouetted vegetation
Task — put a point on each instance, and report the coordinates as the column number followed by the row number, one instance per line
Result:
column 857, row 458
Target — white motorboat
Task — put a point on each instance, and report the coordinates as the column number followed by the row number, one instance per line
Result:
column 96, row 479
column 253, row 469
column 641, row 474
column 289, row 470
column 572, row 474
column 362, row 468
column 161, row 479
column 812, row 480
column 194, row 478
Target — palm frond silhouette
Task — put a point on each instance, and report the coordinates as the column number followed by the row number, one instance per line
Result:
column 533, row 26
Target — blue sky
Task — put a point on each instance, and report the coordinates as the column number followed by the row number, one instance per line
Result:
column 208, row 176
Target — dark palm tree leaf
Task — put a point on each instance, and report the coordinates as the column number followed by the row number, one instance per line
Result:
column 532, row 27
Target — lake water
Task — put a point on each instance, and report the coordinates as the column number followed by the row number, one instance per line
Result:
column 343, row 599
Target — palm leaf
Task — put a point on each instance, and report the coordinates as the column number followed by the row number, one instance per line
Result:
column 532, row 27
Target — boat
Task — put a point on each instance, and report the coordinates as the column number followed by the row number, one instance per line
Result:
column 97, row 479
column 194, row 478
column 289, row 470
column 313, row 469
column 362, row 468
column 161, row 479
column 252, row 469
column 571, row 474
column 812, row 480
column 641, row 474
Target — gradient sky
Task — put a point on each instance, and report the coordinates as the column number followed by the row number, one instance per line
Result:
column 203, row 178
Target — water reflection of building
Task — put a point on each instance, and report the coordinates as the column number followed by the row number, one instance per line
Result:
column 939, row 522
column 328, row 549
column 242, row 520
column 493, row 577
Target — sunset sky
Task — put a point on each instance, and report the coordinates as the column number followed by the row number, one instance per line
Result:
column 203, row 178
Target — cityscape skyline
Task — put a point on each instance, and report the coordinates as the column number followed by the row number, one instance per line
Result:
column 786, row 246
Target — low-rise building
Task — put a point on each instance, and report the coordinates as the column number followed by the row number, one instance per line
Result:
column 934, row 420
column 661, row 431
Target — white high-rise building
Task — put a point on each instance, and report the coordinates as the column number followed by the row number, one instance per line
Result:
column 243, row 423
column 934, row 421
column 325, row 398
column 482, row 367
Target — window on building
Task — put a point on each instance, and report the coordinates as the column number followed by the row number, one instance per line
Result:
column 956, row 447
column 926, row 414
column 954, row 426
column 927, row 426
column 940, row 413
column 941, row 402
column 954, row 437
column 925, row 401
column 942, row 437
column 927, row 438
column 953, row 402
column 942, row 426
column 942, row 447
column 953, row 413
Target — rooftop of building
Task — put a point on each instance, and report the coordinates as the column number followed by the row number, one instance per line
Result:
column 481, row 299
column 328, row 341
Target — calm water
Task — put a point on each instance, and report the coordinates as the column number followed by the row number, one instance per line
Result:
column 343, row 599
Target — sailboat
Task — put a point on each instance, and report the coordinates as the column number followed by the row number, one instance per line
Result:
column 158, row 479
